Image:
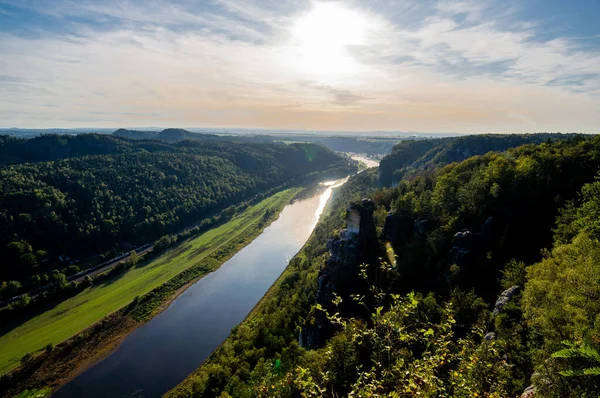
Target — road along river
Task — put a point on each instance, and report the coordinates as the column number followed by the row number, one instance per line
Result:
column 161, row 353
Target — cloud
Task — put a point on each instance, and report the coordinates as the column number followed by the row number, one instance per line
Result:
column 346, row 97
column 483, row 39
column 423, row 65
column 338, row 96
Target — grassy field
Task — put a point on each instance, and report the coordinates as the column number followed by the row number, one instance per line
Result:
column 77, row 313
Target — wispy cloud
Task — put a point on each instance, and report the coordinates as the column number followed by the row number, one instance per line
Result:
column 447, row 65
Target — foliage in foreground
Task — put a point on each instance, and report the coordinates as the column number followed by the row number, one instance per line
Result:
column 406, row 348
column 34, row 393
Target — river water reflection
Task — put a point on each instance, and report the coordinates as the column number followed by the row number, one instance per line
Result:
column 160, row 354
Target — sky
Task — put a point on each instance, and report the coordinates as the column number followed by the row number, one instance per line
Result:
column 395, row 65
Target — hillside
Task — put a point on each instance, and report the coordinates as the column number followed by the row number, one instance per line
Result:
column 135, row 134
column 465, row 305
column 409, row 156
column 132, row 295
column 132, row 192
column 53, row 146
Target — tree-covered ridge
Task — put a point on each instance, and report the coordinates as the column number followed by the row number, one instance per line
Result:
column 463, row 235
column 411, row 156
column 52, row 147
column 168, row 135
column 507, row 201
column 87, row 205
column 55, row 146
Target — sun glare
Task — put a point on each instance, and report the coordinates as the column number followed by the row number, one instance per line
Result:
column 324, row 36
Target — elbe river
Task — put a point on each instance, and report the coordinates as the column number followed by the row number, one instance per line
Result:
column 160, row 354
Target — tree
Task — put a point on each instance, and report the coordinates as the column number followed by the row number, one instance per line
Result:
column 23, row 301
column 556, row 300
column 28, row 359
column 10, row 289
column 134, row 258
column 72, row 270
column 19, row 252
column 59, row 280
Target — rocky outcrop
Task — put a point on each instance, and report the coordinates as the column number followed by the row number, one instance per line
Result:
column 529, row 392
column 464, row 248
column 424, row 226
column 466, row 240
column 467, row 246
column 504, row 298
column 353, row 218
column 340, row 275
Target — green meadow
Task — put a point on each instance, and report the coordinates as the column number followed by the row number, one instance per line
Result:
column 81, row 311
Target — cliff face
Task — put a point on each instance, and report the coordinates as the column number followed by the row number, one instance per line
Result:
column 340, row 275
column 358, row 244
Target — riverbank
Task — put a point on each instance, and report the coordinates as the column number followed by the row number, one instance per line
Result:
column 159, row 355
column 265, row 329
column 163, row 278
column 268, row 337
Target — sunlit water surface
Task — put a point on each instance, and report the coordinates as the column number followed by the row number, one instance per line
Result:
column 160, row 354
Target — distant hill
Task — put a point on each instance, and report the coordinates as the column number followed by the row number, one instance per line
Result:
column 135, row 134
column 174, row 135
column 168, row 135
column 50, row 147
column 29, row 133
column 59, row 146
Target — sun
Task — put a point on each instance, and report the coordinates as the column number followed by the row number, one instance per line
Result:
column 324, row 37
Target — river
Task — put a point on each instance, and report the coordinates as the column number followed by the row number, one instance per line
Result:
column 160, row 354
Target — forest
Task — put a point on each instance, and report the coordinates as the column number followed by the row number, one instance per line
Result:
column 470, row 276
column 67, row 199
column 417, row 155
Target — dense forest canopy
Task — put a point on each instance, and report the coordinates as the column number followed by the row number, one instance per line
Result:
column 56, row 146
column 495, row 265
column 410, row 156
column 100, row 192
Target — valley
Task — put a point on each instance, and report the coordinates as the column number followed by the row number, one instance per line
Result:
column 424, row 249
column 299, row 199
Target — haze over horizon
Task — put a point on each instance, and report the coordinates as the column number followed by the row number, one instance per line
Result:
column 422, row 66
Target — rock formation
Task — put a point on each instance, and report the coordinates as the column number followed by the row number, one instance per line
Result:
column 340, row 275
column 504, row 298
column 529, row 392
column 424, row 226
column 464, row 247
